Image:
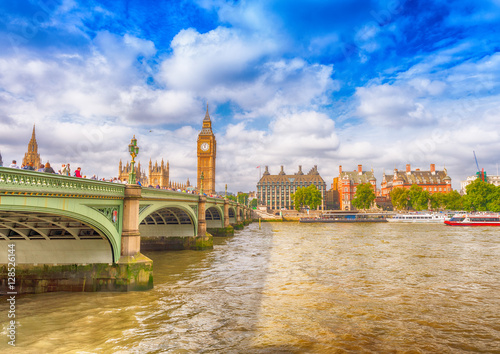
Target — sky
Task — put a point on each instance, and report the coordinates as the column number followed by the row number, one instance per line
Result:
column 381, row 83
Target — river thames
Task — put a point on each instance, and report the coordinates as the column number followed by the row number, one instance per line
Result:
column 290, row 288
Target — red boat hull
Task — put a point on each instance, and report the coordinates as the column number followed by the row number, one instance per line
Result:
column 458, row 223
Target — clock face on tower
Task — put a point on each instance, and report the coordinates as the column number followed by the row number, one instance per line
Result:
column 205, row 146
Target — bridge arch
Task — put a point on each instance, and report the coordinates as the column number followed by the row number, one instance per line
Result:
column 57, row 236
column 214, row 217
column 232, row 215
column 168, row 220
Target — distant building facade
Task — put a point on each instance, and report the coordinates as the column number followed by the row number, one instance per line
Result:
column 275, row 191
column 495, row 180
column 32, row 156
column 432, row 181
column 124, row 172
column 347, row 184
column 158, row 175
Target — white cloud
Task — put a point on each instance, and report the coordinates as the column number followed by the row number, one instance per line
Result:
column 391, row 105
column 223, row 65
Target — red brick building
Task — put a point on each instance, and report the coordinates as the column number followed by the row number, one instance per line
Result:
column 347, row 183
column 432, row 181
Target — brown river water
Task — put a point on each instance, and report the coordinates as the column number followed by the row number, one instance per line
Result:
column 290, row 288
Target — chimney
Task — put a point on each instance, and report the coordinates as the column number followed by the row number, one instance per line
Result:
column 340, row 169
column 433, row 169
column 408, row 168
column 360, row 169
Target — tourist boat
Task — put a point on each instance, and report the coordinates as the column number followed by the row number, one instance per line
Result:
column 345, row 217
column 420, row 218
column 479, row 219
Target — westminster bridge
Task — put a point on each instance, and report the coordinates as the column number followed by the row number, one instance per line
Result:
column 74, row 234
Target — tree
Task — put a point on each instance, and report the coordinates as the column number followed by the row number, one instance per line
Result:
column 438, row 200
column 243, row 198
column 399, row 198
column 479, row 195
column 232, row 197
column 494, row 203
column 453, row 200
column 307, row 196
column 418, row 198
column 253, row 203
column 364, row 197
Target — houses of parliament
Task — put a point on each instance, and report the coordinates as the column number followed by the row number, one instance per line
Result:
column 158, row 174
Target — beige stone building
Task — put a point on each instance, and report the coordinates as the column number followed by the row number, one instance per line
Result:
column 275, row 191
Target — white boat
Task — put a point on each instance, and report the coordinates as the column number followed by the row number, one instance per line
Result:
column 428, row 217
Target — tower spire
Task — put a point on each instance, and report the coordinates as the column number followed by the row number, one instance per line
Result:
column 207, row 116
column 32, row 157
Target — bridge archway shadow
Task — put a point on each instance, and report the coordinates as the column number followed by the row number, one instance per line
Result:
column 232, row 215
column 44, row 238
column 214, row 217
column 168, row 228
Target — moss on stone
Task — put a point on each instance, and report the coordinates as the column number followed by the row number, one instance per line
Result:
column 222, row 231
column 127, row 275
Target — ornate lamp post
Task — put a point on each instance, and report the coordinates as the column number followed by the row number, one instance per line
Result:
column 133, row 149
column 201, row 183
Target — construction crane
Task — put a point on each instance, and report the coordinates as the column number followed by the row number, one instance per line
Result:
column 480, row 172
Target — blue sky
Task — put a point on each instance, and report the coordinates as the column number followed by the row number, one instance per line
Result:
column 328, row 83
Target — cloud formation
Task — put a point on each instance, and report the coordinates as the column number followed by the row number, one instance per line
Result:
column 378, row 83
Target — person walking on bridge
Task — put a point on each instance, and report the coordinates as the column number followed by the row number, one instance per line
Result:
column 48, row 169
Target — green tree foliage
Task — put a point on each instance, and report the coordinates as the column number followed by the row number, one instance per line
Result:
column 253, row 203
column 480, row 196
column 439, row 201
column 243, row 198
column 307, row 196
column 400, row 198
column 418, row 198
column 364, row 196
column 232, row 197
column 453, row 200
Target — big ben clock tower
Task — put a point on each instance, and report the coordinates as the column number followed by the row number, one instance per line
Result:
column 206, row 156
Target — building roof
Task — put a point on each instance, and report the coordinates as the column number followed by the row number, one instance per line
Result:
column 312, row 176
column 418, row 177
column 357, row 177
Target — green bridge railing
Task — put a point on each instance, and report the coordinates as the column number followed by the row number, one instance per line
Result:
column 17, row 181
